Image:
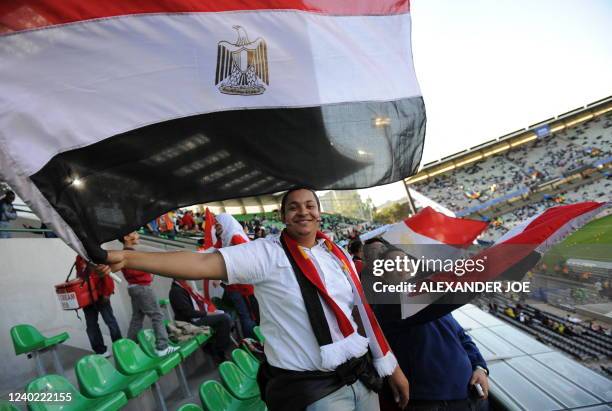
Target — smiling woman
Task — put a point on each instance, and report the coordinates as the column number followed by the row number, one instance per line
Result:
column 301, row 213
column 307, row 288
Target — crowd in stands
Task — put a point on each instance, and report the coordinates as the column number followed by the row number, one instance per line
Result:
column 586, row 340
column 600, row 278
column 189, row 223
column 524, row 167
column 597, row 190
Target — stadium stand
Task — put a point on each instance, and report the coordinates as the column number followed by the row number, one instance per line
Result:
column 522, row 167
column 526, row 172
column 577, row 340
column 342, row 228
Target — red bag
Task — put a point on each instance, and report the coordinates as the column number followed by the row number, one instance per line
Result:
column 80, row 292
column 75, row 294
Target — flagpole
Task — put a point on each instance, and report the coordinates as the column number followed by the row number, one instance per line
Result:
column 410, row 200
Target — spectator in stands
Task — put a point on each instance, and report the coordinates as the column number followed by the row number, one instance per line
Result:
column 144, row 302
column 440, row 360
column 165, row 226
column 561, row 329
column 153, row 227
column 241, row 296
column 245, row 228
column 356, row 251
column 259, row 232
column 190, row 306
column 331, row 372
column 188, row 222
column 493, row 307
column 199, row 220
column 102, row 287
column 7, row 213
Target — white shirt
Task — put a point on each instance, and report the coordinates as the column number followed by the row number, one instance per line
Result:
column 290, row 341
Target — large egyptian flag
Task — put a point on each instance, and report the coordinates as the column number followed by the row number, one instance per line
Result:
column 114, row 112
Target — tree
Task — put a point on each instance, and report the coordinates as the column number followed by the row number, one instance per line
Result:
column 392, row 214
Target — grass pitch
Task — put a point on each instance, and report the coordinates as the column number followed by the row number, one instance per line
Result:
column 591, row 242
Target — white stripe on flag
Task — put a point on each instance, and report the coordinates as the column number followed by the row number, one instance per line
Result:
column 70, row 86
column 419, row 245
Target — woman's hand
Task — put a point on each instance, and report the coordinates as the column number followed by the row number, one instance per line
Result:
column 399, row 387
column 116, row 260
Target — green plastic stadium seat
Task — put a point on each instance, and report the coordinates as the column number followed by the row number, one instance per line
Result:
column 215, row 397
column 97, row 377
column 146, row 339
column 245, row 348
column 130, row 359
column 259, row 334
column 164, row 301
column 245, row 362
column 26, row 338
column 237, row 382
column 189, row 407
column 58, row 384
column 7, row 406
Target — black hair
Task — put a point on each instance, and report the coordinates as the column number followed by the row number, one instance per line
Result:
column 355, row 246
column 7, row 193
column 377, row 240
column 121, row 239
column 286, row 195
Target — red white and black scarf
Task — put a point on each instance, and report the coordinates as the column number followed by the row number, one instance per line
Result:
column 195, row 296
column 351, row 344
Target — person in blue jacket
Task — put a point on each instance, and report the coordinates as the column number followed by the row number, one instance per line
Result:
column 439, row 359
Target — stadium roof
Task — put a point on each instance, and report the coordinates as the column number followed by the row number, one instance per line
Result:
column 512, row 140
column 528, row 375
column 247, row 205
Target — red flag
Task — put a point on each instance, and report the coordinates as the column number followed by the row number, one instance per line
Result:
column 431, row 234
column 210, row 237
column 210, row 241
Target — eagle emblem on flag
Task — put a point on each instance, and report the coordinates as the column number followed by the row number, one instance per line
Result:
column 242, row 67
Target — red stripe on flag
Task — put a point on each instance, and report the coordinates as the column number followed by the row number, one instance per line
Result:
column 18, row 15
column 448, row 230
column 559, row 213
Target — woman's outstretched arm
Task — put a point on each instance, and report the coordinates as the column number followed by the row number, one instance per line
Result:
column 180, row 264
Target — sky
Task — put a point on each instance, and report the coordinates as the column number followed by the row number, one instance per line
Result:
column 487, row 68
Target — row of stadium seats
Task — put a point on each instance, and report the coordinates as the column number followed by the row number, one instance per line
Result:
column 139, row 369
column 104, row 387
column 584, row 346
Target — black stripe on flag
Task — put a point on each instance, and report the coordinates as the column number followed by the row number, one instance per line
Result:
column 450, row 301
column 131, row 178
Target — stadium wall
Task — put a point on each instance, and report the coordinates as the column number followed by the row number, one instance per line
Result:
column 28, row 296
